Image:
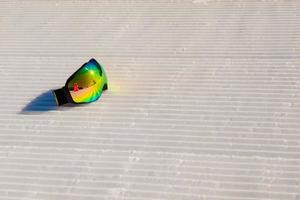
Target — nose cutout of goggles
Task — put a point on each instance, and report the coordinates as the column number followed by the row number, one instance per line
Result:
column 84, row 86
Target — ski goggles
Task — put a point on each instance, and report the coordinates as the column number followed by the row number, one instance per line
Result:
column 84, row 86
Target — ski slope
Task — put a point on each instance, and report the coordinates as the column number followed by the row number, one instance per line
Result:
column 203, row 100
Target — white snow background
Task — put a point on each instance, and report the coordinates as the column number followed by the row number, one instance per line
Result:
column 203, row 100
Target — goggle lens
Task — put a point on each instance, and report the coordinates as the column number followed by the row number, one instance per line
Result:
column 87, row 84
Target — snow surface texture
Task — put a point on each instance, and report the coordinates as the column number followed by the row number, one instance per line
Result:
column 204, row 100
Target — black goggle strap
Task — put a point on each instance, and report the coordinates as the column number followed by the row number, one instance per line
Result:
column 61, row 96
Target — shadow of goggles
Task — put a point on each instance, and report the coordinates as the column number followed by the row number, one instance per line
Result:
column 84, row 86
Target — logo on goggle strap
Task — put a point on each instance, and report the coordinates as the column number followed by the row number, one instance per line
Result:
column 75, row 87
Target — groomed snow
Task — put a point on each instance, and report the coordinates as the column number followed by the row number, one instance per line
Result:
column 203, row 100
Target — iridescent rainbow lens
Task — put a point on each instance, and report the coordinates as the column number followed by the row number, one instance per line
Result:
column 88, row 83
